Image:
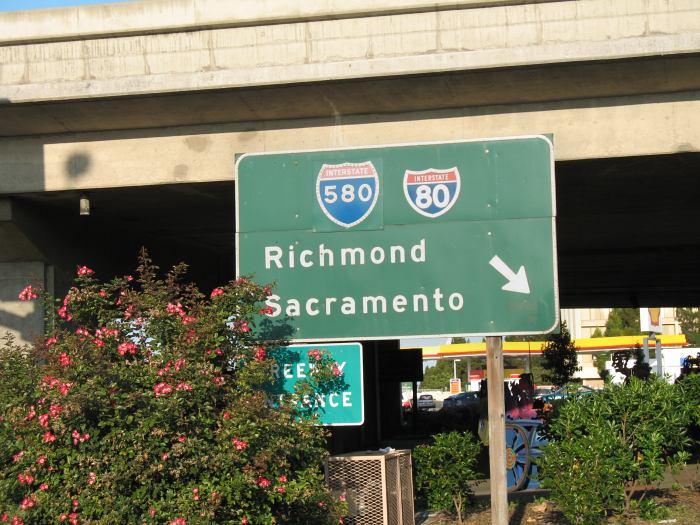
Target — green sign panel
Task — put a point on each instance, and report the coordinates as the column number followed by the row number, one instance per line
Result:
column 344, row 407
column 439, row 239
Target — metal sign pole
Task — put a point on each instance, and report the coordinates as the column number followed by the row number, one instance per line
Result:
column 497, row 431
column 659, row 358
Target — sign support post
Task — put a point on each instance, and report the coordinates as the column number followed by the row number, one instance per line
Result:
column 497, row 431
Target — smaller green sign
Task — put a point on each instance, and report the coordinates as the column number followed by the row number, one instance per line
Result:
column 345, row 407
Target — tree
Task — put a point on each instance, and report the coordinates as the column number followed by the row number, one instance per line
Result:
column 438, row 377
column 146, row 403
column 622, row 321
column 689, row 319
column 559, row 358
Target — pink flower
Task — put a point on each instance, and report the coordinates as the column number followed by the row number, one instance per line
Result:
column 181, row 439
column 336, row 370
column 240, row 445
column 162, row 389
column 63, row 313
column 260, row 353
column 183, row 387
column 84, row 270
column 41, row 460
column 102, row 293
column 219, row 380
column 23, row 479
column 282, row 479
column 216, row 291
column 281, row 490
column 175, row 309
column 77, row 438
column 65, row 387
column 266, row 311
column 152, row 512
column 44, row 420
column 164, row 456
column 44, row 486
column 30, row 414
column 263, row 482
column 50, row 381
column 55, row 410
column 49, row 437
column 125, row 348
column 315, row 354
column 178, row 521
column 227, row 414
column 28, row 293
column 242, row 326
column 17, row 456
column 51, row 341
column 195, row 492
column 188, row 319
column 17, row 521
column 64, row 359
column 244, row 521
column 92, row 477
column 99, row 343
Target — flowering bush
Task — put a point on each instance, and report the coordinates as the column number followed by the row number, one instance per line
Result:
column 145, row 404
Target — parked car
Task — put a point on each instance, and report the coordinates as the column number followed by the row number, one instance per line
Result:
column 541, row 390
column 426, row 402
column 461, row 400
column 567, row 391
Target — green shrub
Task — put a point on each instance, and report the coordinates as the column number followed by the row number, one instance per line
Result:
column 443, row 469
column 145, row 405
column 607, row 447
column 690, row 384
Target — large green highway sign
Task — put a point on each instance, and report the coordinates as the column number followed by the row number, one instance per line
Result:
column 438, row 239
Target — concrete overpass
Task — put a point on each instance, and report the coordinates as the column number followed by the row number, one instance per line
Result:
column 142, row 107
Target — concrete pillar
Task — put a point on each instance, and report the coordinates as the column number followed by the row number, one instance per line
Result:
column 24, row 320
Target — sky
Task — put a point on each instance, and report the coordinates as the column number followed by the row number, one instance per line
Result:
column 20, row 5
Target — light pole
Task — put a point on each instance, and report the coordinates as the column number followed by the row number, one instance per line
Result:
column 454, row 369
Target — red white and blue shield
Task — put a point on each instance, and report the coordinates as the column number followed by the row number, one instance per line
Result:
column 347, row 192
column 431, row 192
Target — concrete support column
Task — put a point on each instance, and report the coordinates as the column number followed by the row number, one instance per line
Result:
column 24, row 320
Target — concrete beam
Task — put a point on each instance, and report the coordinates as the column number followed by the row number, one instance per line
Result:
column 594, row 128
column 316, row 51
column 167, row 16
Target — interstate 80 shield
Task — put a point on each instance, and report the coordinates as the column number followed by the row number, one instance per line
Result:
column 432, row 192
column 347, row 192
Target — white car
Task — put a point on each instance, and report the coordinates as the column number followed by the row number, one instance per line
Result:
column 426, row 401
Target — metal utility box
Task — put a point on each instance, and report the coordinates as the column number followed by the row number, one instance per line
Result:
column 377, row 485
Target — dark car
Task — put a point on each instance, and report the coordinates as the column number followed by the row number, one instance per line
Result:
column 461, row 400
column 566, row 392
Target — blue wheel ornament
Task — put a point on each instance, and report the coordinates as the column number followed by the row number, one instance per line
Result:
column 517, row 457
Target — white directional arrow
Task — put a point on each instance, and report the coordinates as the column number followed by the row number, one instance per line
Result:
column 517, row 282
